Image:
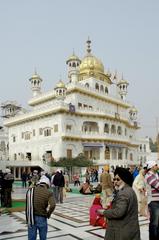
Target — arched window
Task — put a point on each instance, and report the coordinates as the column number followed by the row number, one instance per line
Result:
column 144, row 148
column 101, row 88
column 106, row 90
column 60, row 92
column 97, row 86
column 107, row 152
column 74, row 64
column 120, row 155
column 113, row 129
column 87, row 85
column 114, row 154
column 119, row 130
column 131, row 157
column 106, row 128
column 47, row 132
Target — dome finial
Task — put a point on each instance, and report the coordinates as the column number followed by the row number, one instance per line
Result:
column 88, row 46
column 35, row 71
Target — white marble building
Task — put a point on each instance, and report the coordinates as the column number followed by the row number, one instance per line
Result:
column 88, row 114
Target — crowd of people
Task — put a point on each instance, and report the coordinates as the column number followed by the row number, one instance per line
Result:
column 126, row 194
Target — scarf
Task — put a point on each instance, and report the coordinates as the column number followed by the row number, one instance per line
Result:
column 30, row 206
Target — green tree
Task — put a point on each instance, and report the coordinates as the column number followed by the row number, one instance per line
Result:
column 70, row 163
column 79, row 161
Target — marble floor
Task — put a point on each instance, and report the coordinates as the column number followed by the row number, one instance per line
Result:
column 70, row 221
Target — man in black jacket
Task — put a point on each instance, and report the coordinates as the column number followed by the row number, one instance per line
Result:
column 8, row 181
column 59, row 183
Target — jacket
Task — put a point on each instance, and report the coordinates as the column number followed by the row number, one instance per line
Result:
column 42, row 198
column 122, row 218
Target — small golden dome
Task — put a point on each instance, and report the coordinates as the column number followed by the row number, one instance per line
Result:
column 60, row 84
column 35, row 76
column 133, row 109
column 73, row 57
column 122, row 81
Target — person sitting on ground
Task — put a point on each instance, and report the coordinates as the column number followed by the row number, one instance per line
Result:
column 98, row 188
column 86, row 188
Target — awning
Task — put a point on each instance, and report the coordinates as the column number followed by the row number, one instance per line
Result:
column 115, row 145
column 94, row 145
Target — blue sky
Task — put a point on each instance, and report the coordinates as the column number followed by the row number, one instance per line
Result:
column 42, row 34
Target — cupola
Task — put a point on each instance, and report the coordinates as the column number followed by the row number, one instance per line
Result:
column 36, row 81
column 60, row 89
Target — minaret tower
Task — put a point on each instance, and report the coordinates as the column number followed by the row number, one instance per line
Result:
column 36, row 81
column 122, row 88
column 73, row 63
column 60, row 90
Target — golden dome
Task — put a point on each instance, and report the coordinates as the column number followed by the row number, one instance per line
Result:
column 35, row 76
column 122, row 81
column 91, row 66
column 73, row 57
column 60, row 84
column 90, row 62
column 133, row 109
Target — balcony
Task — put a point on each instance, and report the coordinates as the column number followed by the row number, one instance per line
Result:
column 94, row 135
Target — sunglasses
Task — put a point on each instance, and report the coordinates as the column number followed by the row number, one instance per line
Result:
column 116, row 179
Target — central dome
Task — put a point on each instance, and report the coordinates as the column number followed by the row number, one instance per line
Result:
column 91, row 66
column 91, row 63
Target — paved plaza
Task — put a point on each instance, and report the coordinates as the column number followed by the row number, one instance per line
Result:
column 69, row 221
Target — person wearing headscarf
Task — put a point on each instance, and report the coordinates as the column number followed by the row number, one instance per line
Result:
column 152, row 186
column 139, row 187
column 122, row 217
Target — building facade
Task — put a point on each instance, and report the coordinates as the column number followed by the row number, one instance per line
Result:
column 88, row 114
column 4, row 147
